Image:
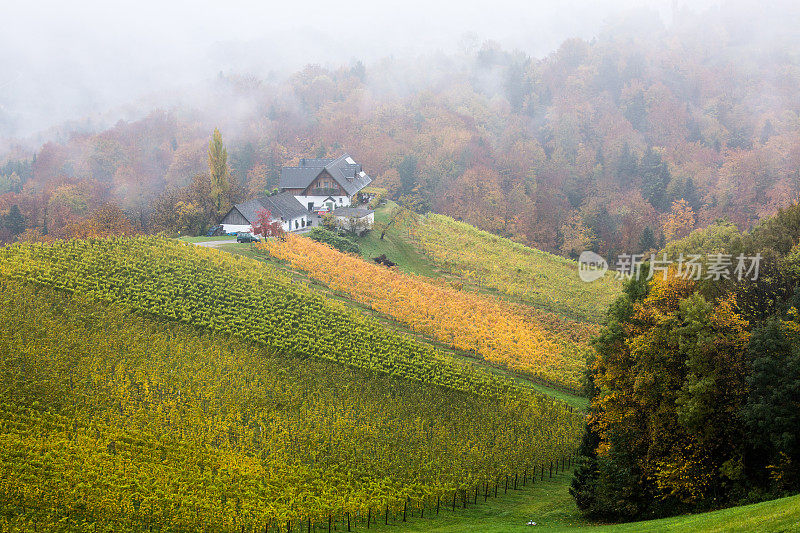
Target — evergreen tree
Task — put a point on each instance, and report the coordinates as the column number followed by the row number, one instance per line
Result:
column 767, row 131
column 14, row 221
column 407, row 169
column 694, row 133
column 648, row 240
column 636, row 112
column 772, row 410
column 655, row 178
column 627, row 166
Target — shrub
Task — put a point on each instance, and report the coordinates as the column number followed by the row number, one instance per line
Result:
column 334, row 240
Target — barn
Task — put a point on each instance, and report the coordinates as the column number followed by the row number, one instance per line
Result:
column 283, row 207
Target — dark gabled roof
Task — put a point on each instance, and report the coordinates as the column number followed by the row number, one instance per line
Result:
column 343, row 169
column 298, row 177
column 283, row 205
column 318, row 162
column 357, row 212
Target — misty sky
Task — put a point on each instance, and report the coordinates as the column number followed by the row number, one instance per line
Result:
column 67, row 60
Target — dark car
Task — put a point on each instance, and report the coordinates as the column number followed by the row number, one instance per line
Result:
column 243, row 236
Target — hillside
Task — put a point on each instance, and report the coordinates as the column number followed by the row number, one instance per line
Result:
column 190, row 428
column 493, row 263
column 239, row 296
column 588, row 146
column 476, row 324
column 488, row 309
column 154, row 418
column 172, row 385
column 129, row 374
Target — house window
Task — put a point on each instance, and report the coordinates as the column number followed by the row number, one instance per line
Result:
column 296, row 224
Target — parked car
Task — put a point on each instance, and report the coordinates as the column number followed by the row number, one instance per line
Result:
column 215, row 231
column 243, row 236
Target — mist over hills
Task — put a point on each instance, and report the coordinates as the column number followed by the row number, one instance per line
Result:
column 587, row 146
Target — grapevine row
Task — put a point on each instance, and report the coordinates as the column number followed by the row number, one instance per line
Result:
column 464, row 320
column 113, row 419
column 241, row 297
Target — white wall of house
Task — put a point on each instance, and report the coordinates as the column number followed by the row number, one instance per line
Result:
column 294, row 224
column 235, row 228
column 318, row 201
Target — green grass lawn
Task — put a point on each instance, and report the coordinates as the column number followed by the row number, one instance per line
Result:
column 549, row 504
column 395, row 246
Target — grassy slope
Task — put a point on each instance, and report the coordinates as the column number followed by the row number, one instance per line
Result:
column 396, row 247
column 553, row 509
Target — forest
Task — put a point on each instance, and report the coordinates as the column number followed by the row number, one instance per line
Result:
column 695, row 385
column 618, row 144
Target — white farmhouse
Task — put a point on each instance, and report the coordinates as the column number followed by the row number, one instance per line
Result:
column 324, row 183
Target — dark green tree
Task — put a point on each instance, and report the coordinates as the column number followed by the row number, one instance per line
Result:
column 408, row 171
column 772, row 410
column 648, row 240
column 655, row 178
column 14, row 221
column 627, row 166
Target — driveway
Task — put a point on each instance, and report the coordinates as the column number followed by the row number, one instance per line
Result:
column 214, row 244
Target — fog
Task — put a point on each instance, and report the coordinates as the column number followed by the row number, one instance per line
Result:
column 102, row 61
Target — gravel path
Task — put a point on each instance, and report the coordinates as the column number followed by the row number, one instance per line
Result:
column 214, row 244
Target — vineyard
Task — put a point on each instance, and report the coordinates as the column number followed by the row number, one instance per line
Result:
column 467, row 321
column 112, row 420
column 243, row 297
column 537, row 278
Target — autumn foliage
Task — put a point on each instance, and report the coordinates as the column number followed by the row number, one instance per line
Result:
column 106, row 221
column 265, row 225
column 587, row 147
column 471, row 322
column 694, row 384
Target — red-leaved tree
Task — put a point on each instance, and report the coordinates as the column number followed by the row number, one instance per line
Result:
column 265, row 226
